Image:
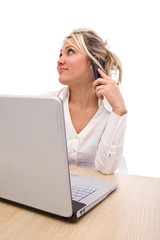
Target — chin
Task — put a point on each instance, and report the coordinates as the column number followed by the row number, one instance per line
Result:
column 63, row 81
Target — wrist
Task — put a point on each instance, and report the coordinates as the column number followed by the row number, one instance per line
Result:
column 120, row 111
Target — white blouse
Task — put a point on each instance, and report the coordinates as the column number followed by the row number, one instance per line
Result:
column 100, row 144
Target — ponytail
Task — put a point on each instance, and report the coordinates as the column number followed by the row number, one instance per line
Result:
column 113, row 66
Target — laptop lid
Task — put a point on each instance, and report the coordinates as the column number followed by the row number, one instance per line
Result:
column 33, row 156
column 34, row 162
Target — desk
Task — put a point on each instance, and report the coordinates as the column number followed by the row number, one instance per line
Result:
column 132, row 212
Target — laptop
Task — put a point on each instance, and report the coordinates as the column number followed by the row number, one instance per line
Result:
column 34, row 168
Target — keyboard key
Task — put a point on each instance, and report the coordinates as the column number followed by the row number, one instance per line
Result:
column 80, row 192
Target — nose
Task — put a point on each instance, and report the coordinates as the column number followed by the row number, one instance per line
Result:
column 61, row 61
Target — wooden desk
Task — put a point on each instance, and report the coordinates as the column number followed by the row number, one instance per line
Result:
column 131, row 212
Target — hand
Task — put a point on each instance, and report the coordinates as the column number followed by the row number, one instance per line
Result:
column 106, row 87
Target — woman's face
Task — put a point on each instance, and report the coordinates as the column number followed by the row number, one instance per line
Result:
column 73, row 67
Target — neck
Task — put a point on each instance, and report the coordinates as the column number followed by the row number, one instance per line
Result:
column 83, row 98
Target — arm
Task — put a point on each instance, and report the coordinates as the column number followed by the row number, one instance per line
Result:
column 108, row 88
column 110, row 149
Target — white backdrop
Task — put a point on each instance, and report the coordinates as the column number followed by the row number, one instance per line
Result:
column 31, row 33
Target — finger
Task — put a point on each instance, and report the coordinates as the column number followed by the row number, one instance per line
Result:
column 100, row 87
column 99, row 94
column 103, row 74
column 100, row 81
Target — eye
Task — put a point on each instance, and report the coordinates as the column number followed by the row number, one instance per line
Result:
column 60, row 55
column 70, row 51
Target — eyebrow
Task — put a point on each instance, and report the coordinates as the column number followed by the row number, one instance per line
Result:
column 68, row 47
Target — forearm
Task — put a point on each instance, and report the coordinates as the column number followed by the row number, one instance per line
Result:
column 110, row 149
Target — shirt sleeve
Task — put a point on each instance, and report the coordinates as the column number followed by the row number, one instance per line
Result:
column 110, row 148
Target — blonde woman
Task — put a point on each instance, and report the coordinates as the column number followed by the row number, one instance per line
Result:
column 95, row 112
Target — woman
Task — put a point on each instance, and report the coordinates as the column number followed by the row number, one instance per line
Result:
column 95, row 111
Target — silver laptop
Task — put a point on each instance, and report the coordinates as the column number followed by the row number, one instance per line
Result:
column 34, row 169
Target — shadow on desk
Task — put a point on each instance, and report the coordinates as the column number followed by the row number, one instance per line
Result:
column 31, row 209
column 44, row 213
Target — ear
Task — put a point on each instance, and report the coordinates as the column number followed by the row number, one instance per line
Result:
column 96, row 57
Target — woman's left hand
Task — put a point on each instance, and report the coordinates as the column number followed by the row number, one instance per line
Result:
column 106, row 87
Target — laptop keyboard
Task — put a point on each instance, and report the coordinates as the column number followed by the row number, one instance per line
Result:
column 80, row 192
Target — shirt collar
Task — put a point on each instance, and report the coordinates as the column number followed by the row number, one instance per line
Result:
column 65, row 93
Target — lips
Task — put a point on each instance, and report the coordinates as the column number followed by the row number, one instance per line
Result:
column 62, row 69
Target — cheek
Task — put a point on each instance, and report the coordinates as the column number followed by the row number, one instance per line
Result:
column 81, row 65
column 78, row 60
column 73, row 62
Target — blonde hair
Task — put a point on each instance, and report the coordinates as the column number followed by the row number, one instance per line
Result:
column 94, row 47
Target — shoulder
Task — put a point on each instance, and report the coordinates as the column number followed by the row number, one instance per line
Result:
column 62, row 93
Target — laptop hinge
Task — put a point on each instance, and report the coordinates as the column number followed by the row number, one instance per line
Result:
column 76, row 207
